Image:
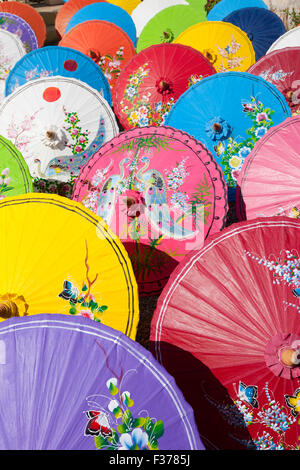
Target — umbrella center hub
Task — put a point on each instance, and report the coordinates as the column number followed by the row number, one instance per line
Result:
column 167, row 35
column 8, row 309
column 282, row 355
column 54, row 137
column 218, row 129
column 135, row 203
column 164, row 86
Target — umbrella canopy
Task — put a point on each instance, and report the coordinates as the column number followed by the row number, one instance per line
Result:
column 289, row 39
column 58, row 134
column 104, row 11
column 11, row 50
column 225, row 45
column 16, row 25
column 30, row 15
column 166, row 25
column 282, row 68
column 262, row 26
column 128, row 5
column 14, row 173
column 229, row 112
column 232, row 307
column 54, row 60
column 67, row 10
column 153, row 80
column 147, row 9
column 225, row 7
column 161, row 192
column 86, row 384
column 269, row 180
column 69, row 267
column 107, row 44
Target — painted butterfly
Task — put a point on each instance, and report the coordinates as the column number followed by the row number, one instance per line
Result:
column 248, row 394
column 98, row 424
column 69, row 292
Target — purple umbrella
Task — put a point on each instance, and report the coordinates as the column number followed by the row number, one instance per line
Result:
column 17, row 25
column 68, row 383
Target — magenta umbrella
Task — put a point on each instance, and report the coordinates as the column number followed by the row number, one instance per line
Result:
column 161, row 191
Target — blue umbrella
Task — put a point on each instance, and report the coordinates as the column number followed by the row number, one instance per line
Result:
column 262, row 26
column 105, row 12
column 225, row 7
column 56, row 60
column 229, row 112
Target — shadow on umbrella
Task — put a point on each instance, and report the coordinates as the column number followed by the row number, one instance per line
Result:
column 151, row 267
column 221, row 426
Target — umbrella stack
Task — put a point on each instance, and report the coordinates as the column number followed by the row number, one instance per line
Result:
column 149, row 226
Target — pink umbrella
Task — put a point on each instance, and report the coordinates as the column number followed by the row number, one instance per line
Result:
column 161, row 191
column 269, row 183
column 282, row 69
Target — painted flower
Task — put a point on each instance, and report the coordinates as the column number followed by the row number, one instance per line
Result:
column 72, row 118
column 74, row 131
column 137, row 440
column 261, row 117
column 114, row 407
column 260, row 132
column 5, row 172
column 244, row 152
column 235, row 162
column 143, row 111
column 112, row 385
column 134, row 116
column 235, row 174
column 218, row 129
column 144, row 121
column 134, row 80
column 130, row 92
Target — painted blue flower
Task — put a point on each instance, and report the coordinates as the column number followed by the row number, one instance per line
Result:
column 137, row 440
column 218, row 129
column 158, row 106
column 244, row 152
column 131, row 91
column 144, row 121
column 260, row 132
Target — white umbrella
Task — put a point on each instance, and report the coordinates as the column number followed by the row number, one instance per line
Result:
column 57, row 123
column 289, row 39
column 149, row 8
column 11, row 50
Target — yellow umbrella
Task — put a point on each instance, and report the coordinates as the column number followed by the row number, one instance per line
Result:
column 128, row 5
column 58, row 257
column 225, row 45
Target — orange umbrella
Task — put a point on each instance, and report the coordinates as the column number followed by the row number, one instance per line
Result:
column 107, row 44
column 67, row 11
column 29, row 14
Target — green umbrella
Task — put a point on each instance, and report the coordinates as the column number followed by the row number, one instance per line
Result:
column 14, row 173
column 166, row 25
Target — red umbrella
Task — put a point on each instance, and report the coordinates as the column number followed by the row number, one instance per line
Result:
column 153, row 81
column 234, row 305
column 282, row 68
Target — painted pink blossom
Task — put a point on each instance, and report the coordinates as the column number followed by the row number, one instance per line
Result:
column 261, row 117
